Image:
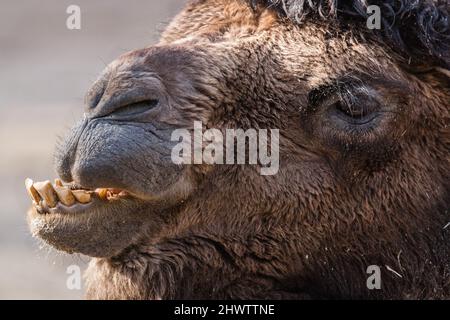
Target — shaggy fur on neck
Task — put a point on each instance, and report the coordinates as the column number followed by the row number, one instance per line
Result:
column 417, row 29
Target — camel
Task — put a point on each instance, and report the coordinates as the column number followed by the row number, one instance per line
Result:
column 364, row 166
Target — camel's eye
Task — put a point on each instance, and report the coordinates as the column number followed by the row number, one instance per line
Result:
column 134, row 109
column 346, row 105
column 359, row 111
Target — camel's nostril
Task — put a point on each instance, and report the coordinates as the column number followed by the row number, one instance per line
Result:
column 96, row 92
column 93, row 100
column 66, row 153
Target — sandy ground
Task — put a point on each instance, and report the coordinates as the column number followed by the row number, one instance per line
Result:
column 45, row 69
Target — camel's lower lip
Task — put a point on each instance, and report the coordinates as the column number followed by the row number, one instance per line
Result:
column 77, row 209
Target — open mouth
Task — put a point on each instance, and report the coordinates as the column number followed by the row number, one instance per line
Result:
column 69, row 198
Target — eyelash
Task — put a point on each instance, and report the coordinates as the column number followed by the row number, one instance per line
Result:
column 345, row 98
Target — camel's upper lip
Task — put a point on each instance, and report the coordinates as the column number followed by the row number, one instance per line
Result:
column 70, row 198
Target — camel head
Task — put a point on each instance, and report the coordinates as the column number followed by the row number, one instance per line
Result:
column 362, row 144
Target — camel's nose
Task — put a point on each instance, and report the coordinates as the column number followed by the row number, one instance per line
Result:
column 119, row 89
column 147, row 76
column 96, row 91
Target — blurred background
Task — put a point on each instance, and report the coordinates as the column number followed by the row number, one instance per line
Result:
column 45, row 70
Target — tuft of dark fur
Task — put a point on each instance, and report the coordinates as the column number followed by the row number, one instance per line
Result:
column 418, row 29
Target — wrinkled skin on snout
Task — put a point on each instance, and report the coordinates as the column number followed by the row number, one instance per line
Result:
column 363, row 177
column 124, row 142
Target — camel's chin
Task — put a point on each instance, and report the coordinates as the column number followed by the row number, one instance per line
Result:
column 97, row 229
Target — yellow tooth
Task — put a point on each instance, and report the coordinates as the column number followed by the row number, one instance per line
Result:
column 82, row 196
column 58, row 183
column 46, row 191
column 123, row 194
column 111, row 196
column 102, row 193
column 32, row 191
column 65, row 195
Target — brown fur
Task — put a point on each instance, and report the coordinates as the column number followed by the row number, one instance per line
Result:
column 341, row 201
